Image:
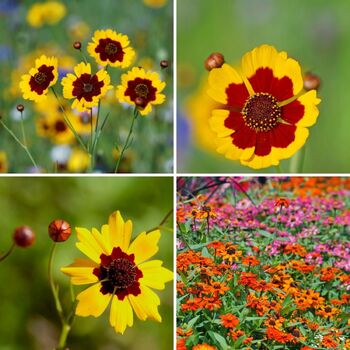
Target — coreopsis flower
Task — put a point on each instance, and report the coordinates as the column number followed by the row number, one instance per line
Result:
column 84, row 87
column 3, row 162
column 49, row 12
column 265, row 113
column 142, row 89
column 111, row 48
column 35, row 85
column 119, row 273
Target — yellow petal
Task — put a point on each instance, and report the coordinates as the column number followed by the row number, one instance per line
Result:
column 309, row 101
column 146, row 304
column 120, row 231
column 88, row 244
column 154, row 274
column 144, row 246
column 121, row 314
column 91, row 302
column 81, row 271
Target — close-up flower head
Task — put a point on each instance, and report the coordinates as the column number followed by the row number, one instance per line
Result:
column 111, row 48
column 86, row 88
column 35, row 85
column 142, row 89
column 265, row 113
column 120, row 272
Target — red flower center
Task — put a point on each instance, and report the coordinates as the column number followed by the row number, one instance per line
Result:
column 42, row 79
column 110, row 50
column 261, row 112
column 87, row 86
column 119, row 274
column 141, row 88
column 60, row 126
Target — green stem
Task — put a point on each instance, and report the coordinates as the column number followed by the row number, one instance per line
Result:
column 3, row 257
column 126, row 144
column 67, row 121
column 20, row 143
column 166, row 217
column 23, row 131
column 63, row 337
column 297, row 162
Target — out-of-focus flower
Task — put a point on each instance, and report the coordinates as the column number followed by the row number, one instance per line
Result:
column 264, row 115
column 78, row 161
column 78, row 30
column 119, row 272
column 49, row 12
column 35, row 85
column 141, row 88
column 24, row 236
column 3, row 162
column 85, row 88
column 111, row 48
column 155, row 3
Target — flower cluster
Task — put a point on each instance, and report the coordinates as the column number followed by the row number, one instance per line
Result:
column 273, row 269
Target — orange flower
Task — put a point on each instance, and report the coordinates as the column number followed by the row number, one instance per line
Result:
column 282, row 202
column 229, row 320
column 329, row 343
column 276, row 323
column 279, row 336
column 204, row 347
column 250, row 260
column 181, row 344
column 328, row 312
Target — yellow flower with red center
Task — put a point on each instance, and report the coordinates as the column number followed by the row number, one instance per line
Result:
column 119, row 273
column 142, row 89
column 111, row 48
column 265, row 113
column 49, row 12
column 86, row 88
column 35, row 85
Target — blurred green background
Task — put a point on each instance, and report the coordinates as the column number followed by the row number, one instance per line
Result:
column 150, row 30
column 315, row 32
column 28, row 318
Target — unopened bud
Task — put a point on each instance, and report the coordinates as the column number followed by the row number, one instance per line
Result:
column 20, row 108
column 164, row 64
column 59, row 230
column 140, row 102
column 23, row 236
column 215, row 60
column 77, row 45
column 311, row 81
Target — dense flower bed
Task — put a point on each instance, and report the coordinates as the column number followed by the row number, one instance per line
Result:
column 263, row 263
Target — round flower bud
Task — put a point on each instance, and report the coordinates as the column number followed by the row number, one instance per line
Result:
column 77, row 45
column 23, row 236
column 215, row 60
column 20, row 108
column 311, row 82
column 140, row 102
column 59, row 230
column 164, row 64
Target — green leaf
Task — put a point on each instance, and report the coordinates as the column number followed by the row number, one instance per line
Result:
column 219, row 339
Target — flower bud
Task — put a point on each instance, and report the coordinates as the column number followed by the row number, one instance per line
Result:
column 23, row 236
column 140, row 102
column 59, row 230
column 20, row 108
column 311, row 81
column 77, row 45
column 215, row 60
column 164, row 64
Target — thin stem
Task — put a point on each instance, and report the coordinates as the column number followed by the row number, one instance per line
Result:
column 63, row 337
column 67, row 121
column 23, row 131
column 91, row 131
column 8, row 252
column 20, row 143
column 165, row 219
column 126, row 145
column 297, row 162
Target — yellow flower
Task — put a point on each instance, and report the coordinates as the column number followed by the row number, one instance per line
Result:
column 265, row 113
column 155, row 3
column 111, row 48
column 119, row 272
column 87, row 89
column 78, row 161
column 35, row 85
column 49, row 12
column 3, row 162
column 142, row 89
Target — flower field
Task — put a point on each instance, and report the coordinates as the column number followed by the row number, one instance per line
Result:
column 263, row 263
